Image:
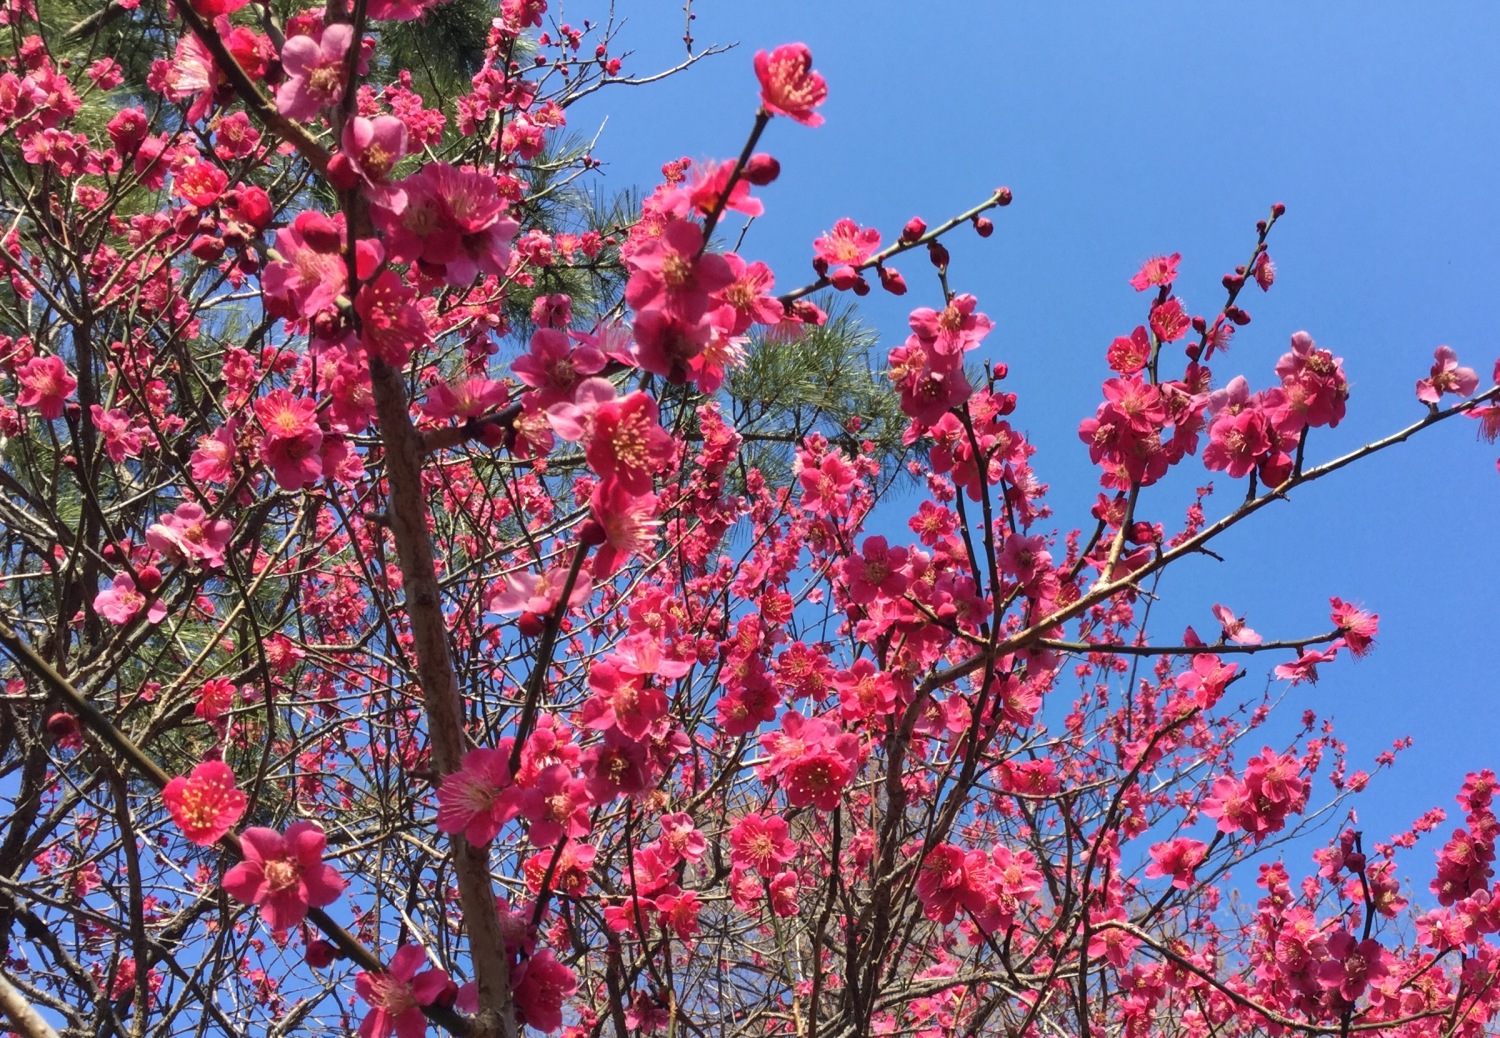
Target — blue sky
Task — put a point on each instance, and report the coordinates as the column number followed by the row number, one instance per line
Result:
column 1132, row 130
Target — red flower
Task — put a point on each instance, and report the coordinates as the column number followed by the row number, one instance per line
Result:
column 788, row 85
column 284, row 874
column 205, row 805
column 396, row 996
column 1158, row 270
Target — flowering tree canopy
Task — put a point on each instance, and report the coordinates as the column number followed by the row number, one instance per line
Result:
column 411, row 621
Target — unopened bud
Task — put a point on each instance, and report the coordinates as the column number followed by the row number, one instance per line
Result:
column 1278, row 210
column 1003, row 195
column 892, row 282
column 1234, row 282
column 62, row 725
column 1237, row 315
column 861, row 286
column 319, row 232
column 937, row 253
column 150, row 578
column 321, row 954
column 592, row 534
column 530, row 625
column 341, row 173
column 762, row 169
column 914, row 229
column 984, row 226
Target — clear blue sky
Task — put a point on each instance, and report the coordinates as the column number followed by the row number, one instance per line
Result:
column 1130, row 130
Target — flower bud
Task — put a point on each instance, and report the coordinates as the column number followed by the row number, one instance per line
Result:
column 320, row 233
column 530, row 624
column 1238, row 316
column 592, row 534
column 861, row 286
column 844, row 278
column 1278, row 210
column 892, row 281
column 914, row 229
column 1003, row 195
column 207, row 249
column 984, row 226
column 341, row 173
column 321, row 954
column 150, row 578
column 762, row 169
column 62, row 725
column 937, row 253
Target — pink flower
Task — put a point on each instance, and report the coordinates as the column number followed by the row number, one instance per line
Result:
column 788, row 85
column 205, row 805
column 1234, row 627
column 1305, row 666
column 454, row 222
column 540, row 985
column 1357, row 626
column 293, row 439
column 479, row 798
column 284, row 874
column 844, row 248
column 121, row 601
column 371, row 148
column 189, row 535
column 45, row 385
column 875, row 572
column 1156, row 271
column 1177, row 858
column 623, row 440
column 672, row 272
column 123, row 438
column 396, row 996
column 213, row 461
column 1128, row 354
column 214, row 699
column 1446, row 377
column 311, row 272
column 1352, row 965
column 315, row 71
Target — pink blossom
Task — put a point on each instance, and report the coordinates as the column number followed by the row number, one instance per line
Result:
column 121, row 601
column 626, row 523
column 453, row 222
column 315, row 70
column 397, row 995
column 1234, row 627
column 1446, row 377
column 213, row 461
column 284, row 874
column 1156, row 271
column 45, row 384
column 205, row 805
column 123, row 437
column 540, row 986
column 875, row 571
column 310, row 273
column 479, row 798
column 788, row 84
column 844, row 248
column 1177, row 858
column 371, row 148
column 1357, row 626
column 1305, row 666
column 189, row 535
column 672, row 272
column 292, row 438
